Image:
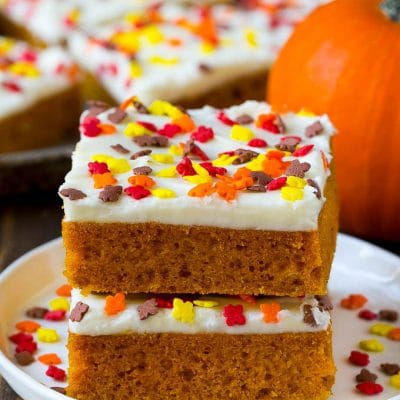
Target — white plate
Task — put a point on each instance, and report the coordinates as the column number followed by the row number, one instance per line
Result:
column 359, row 267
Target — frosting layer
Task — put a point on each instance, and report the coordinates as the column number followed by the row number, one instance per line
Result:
column 206, row 319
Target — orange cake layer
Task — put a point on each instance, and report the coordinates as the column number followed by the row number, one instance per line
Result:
column 288, row 366
column 163, row 258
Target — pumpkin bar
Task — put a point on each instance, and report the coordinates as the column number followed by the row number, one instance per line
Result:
column 39, row 96
column 190, row 55
column 199, row 348
column 164, row 200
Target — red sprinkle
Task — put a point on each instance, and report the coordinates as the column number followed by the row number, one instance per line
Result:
column 11, row 86
column 277, row 183
column 257, row 142
column 358, row 358
column 234, row 315
column 57, row 315
column 90, row 127
column 369, row 388
column 164, row 303
column 368, row 315
column 197, row 151
column 213, row 171
column 30, row 347
column 170, row 130
column 29, row 56
column 185, row 167
column 203, row 134
column 303, row 150
column 56, row 373
column 148, row 125
column 21, row 337
column 137, row 192
column 98, row 167
column 225, row 119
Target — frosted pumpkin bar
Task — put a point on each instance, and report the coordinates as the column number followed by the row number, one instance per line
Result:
column 164, row 200
column 190, row 55
column 39, row 96
column 197, row 348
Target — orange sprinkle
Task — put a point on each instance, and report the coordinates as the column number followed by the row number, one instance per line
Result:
column 202, row 190
column 354, row 301
column 175, row 42
column 270, row 311
column 248, row 298
column 225, row 191
column 325, row 161
column 141, row 180
column 102, row 180
column 64, row 291
column 273, row 167
column 241, row 173
column 394, row 334
column 125, row 104
column 28, row 326
column 278, row 154
column 73, row 72
column 50, row 359
column 107, row 128
column 185, row 123
column 115, row 304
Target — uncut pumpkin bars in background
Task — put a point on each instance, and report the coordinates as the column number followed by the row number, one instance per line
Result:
column 344, row 60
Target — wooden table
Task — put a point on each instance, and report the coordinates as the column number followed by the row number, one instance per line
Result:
column 31, row 220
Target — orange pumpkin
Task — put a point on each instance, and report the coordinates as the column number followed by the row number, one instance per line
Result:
column 344, row 60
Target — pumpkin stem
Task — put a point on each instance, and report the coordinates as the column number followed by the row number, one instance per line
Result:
column 391, row 8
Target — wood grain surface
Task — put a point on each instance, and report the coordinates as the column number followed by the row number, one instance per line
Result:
column 29, row 221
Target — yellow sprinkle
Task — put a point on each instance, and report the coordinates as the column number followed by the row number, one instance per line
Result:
column 169, row 172
column 251, row 38
column 168, row 62
column 371, row 345
column 163, row 193
column 395, row 381
column 183, row 311
column 47, row 335
column 160, row 107
column 136, row 69
column 197, row 179
column 207, row 48
column 163, row 158
column 241, row 133
column 292, row 193
column 60, row 303
column 175, row 150
column 132, row 18
column 381, row 329
column 200, row 170
column 224, row 160
column 305, row 113
column 127, row 41
column 256, row 163
column 134, row 129
column 24, row 69
column 205, row 303
column 116, row 165
column 153, row 34
column 74, row 15
column 295, row 182
column 6, row 45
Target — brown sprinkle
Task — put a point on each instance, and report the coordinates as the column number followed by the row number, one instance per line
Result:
column 117, row 116
column 390, row 369
column 149, row 307
column 36, row 312
column 244, row 119
column 288, row 144
column 79, row 312
column 140, row 107
column 24, row 358
column 119, row 148
column 298, row 169
column 325, row 303
column 388, row 315
column 141, row 153
column 314, row 129
column 257, row 188
column 366, row 376
column 97, row 107
column 145, row 170
column 110, row 194
column 151, row 140
column 309, row 315
column 205, row 68
column 260, row 178
column 315, row 185
column 244, row 156
column 73, row 194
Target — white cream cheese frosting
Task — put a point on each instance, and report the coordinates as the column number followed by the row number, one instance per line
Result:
column 169, row 200
column 28, row 75
column 290, row 318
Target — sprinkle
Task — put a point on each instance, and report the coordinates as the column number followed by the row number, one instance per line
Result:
column 56, row 373
column 36, row 312
column 145, row 170
column 234, row 315
column 251, row 38
column 168, row 62
column 203, row 134
column 185, row 123
column 225, row 119
column 114, row 304
column 96, row 107
column 151, row 140
column 325, row 161
column 244, row 119
column 78, row 312
column 116, row 165
column 366, row 376
column 148, row 125
column 191, row 148
column 57, row 315
column 163, row 158
column 241, row 133
column 394, row 334
column 358, row 358
column 72, row 194
column 381, row 329
column 304, row 112
column 90, row 127
column 137, row 192
column 353, row 301
column 369, row 388
column 134, row 129
column 202, row 190
column 315, row 185
column 110, row 193
column 103, row 180
column 197, row 179
column 135, row 69
column 21, row 337
column 170, row 130
column 163, row 193
column 205, row 303
column 295, row 182
column 257, row 142
column 288, row 143
column 27, row 326
column 297, row 169
column 24, row 358
column 270, row 122
column 149, row 307
column 141, row 180
column 185, row 167
column 388, row 315
column 120, row 149
column 277, row 184
column 50, row 359
column 183, row 311
column 270, row 312
column 64, row 290
column 390, row 369
column 274, row 166
column 98, row 167
column 30, row 347
column 303, row 151
column 164, row 303
column 224, row 160
column 59, row 303
column 212, row 170
column 169, row 172
column 175, row 150
column 141, row 153
column 205, row 68
column 371, row 345
column 160, row 107
column 367, row 315
column 395, row 381
column 314, row 129
column 117, row 116
column 244, row 156
column 47, row 335
column 324, row 302
column 225, row 191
